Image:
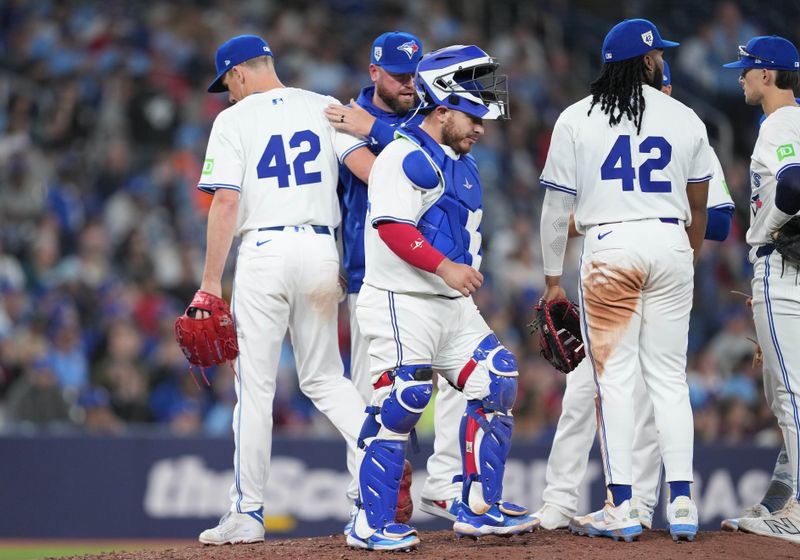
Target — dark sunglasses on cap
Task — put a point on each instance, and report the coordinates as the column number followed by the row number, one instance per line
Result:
column 743, row 52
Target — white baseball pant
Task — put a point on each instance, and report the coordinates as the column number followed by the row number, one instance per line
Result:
column 286, row 279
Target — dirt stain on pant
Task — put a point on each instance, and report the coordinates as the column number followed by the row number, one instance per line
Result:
column 611, row 295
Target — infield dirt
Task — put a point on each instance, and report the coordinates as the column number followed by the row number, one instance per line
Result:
column 442, row 545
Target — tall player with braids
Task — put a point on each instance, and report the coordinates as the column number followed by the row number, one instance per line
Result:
column 635, row 165
column 566, row 465
column 423, row 251
column 769, row 74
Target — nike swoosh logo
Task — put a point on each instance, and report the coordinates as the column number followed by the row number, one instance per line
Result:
column 260, row 243
column 498, row 518
column 602, row 235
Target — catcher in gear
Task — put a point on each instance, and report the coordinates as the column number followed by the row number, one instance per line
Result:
column 559, row 326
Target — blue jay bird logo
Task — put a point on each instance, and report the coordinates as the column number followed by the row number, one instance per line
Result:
column 409, row 48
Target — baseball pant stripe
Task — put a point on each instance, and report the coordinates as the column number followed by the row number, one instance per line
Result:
column 773, row 333
column 237, row 462
column 601, row 424
column 395, row 328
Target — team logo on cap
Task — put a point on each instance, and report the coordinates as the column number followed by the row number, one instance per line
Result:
column 378, row 53
column 227, row 63
column 409, row 48
column 647, row 37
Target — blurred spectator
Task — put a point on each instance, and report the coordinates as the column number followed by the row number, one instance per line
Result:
column 36, row 396
column 103, row 122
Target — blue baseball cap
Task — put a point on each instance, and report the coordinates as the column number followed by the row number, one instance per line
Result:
column 771, row 52
column 667, row 77
column 631, row 38
column 397, row 52
column 235, row 51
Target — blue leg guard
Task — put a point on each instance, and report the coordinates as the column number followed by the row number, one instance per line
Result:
column 486, row 441
column 383, row 438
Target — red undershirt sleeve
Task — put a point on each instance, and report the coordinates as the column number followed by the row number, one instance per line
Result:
column 407, row 243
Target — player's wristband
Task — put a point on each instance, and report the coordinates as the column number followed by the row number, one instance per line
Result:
column 407, row 242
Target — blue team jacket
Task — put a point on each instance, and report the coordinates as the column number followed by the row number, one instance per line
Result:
column 353, row 192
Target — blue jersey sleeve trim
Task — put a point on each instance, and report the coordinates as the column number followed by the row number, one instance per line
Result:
column 380, row 219
column 211, row 187
column 699, row 180
column 351, row 150
column 382, row 133
column 557, row 187
column 784, row 168
column 724, row 205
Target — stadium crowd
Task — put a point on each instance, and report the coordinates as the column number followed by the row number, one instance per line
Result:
column 103, row 124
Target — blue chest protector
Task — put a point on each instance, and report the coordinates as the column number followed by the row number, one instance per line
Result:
column 453, row 222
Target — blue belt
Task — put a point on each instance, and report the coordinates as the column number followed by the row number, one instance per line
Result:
column 765, row 250
column 665, row 220
column 324, row 230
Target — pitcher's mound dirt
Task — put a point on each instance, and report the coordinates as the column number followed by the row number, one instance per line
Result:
column 442, row 545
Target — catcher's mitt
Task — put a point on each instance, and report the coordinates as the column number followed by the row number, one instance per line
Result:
column 209, row 341
column 787, row 241
column 559, row 327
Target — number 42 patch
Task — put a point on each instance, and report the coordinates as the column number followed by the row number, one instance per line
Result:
column 785, row 151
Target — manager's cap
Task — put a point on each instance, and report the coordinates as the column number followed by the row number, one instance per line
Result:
column 631, row 38
column 771, row 52
column 235, row 51
column 397, row 52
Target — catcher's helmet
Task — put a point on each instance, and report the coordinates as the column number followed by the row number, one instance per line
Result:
column 462, row 77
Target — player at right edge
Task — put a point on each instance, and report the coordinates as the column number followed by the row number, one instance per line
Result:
column 635, row 164
column 769, row 73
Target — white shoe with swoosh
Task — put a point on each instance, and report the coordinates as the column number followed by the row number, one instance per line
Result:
column 504, row 519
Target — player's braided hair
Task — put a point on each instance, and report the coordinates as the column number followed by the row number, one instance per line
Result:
column 618, row 89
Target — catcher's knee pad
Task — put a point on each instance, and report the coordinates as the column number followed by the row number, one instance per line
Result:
column 410, row 394
column 485, row 442
column 379, row 481
column 494, row 361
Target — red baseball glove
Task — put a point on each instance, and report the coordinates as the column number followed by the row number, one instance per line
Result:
column 209, row 341
column 559, row 326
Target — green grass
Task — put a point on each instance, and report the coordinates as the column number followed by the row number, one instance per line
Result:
column 35, row 551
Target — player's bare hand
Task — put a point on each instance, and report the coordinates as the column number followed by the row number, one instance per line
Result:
column 554, row 292
column 460, row 277
column 352, row 120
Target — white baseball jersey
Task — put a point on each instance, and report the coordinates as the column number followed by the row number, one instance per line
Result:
column 719, row 196
column 777, row 148
column 393, row 198
column 277, row 149
column 625, row 176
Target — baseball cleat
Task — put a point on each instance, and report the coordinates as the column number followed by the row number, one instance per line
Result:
column 612, row 521
column 236, row 528
column 551, row 517
column 682, row 518
column 405, row 505
column 782, row 524
column 753, row 512
column 396, row 536
column 446, row 509
column 503, row 519
column 640, row 511
column 349, row 525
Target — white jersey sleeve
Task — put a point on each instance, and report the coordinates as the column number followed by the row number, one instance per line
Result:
column 394, row 198
column 560, row 168
column 718, row 194
column 777, row 149
column 224, row 165
column 343, row 144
